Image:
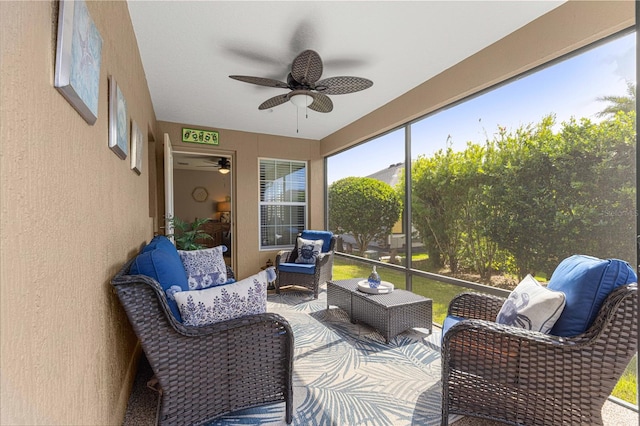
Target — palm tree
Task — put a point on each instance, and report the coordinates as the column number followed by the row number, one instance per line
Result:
column 619, row 103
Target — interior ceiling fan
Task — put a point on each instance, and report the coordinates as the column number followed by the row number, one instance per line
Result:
column 306, row 88
column 223, row 165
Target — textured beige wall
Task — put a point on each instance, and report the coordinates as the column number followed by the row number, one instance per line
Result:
column 245, row 149
column 572, row 25
column 72, row 213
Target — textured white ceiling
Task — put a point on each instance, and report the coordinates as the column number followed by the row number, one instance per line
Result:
column 190, row 48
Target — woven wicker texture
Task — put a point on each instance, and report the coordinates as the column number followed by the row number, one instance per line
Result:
column 517, row 376
column 390, row 313
column 206, row 372
column 323, row 270
column 307, row 67
column 342, row 85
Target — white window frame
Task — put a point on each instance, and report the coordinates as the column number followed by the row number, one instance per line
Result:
column 261, row 203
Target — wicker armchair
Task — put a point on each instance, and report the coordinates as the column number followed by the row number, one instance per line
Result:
column 206, row 372
column 321, row 272
column 518, row 376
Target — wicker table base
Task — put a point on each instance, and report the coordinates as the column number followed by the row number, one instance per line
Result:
column 390, row 313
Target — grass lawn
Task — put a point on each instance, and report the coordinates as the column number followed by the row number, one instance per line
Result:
column 627, row 387
column 442, row 293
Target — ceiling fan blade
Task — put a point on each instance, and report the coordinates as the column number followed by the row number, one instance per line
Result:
column 260, row 81
column 274, row 102
column 342, row 85
column 321, row 103
column 307, row 67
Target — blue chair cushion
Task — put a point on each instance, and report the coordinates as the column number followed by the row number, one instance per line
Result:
column 449, row 322
column 325, row 236
column 586, row 282
column 164, row 265
column 298, row 268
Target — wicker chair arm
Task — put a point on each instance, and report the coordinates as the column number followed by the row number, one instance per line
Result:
column 136, row 283
column 490, row 335
column 476, row 306
column 323, row 258
column 282, row 257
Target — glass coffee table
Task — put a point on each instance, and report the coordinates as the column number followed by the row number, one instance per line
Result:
column 389, row 313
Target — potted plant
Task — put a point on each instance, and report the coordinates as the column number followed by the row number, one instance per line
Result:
column 187, row 234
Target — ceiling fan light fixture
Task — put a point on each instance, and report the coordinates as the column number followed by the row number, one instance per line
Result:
column 225, row 166
column 301, row 101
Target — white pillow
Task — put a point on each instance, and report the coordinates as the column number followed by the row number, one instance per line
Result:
column 532, row 306
column 221, row 303
column 308, row 250
column 205, row 268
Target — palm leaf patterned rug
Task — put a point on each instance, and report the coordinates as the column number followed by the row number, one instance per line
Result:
column 344, row 374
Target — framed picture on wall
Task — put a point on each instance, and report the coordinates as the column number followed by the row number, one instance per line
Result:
column 137, row 144
column 78, row 57
column 118, row 124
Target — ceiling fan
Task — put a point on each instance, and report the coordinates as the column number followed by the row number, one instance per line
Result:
column 223, row 164
column 306, row 88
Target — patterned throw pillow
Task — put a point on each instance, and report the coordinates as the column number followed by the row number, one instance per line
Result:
column 222, row 303
column 308, row 250
column 532, row 306
column 205, row 268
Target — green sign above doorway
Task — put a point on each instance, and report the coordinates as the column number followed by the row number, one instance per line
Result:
column 207, row 137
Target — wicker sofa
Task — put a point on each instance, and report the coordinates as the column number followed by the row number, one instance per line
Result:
column 208, row 371
column 517, row 376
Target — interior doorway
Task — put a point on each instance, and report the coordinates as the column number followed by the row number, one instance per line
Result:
column 202, row 189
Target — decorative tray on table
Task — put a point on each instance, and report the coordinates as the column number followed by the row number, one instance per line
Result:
column 385, row 287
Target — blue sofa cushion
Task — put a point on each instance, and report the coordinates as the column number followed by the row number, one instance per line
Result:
column 586, row 282
column 163, row 264
column 298, row 268
column 325, row 236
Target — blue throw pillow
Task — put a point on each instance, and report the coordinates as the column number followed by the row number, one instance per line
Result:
column 586, row 282
column 164, row 266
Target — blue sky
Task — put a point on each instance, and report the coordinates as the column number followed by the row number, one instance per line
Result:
column 567, row 89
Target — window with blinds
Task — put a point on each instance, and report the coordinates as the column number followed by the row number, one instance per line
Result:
column 283, row 202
